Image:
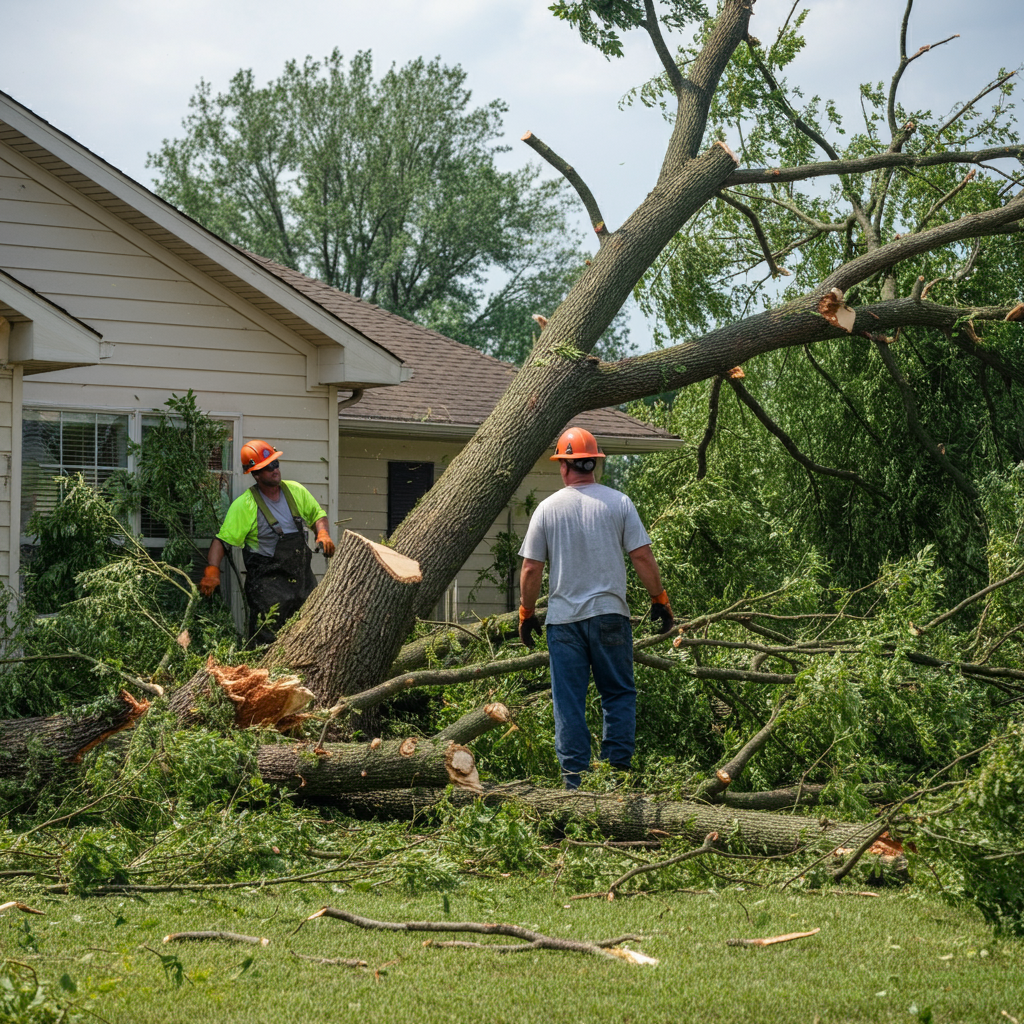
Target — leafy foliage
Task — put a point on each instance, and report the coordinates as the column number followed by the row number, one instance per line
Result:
column 957, row 409
column 179, row 480
column 27, row 999
column 387, row 189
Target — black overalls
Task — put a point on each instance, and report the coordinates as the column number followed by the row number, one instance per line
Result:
column 284, row 579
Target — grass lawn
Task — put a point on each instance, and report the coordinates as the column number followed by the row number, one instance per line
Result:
column 894, row 957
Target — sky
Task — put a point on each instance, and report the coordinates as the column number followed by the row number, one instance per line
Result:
column 116, row 75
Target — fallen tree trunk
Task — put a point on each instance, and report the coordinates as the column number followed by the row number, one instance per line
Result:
column 62, row 738
column 331, row 773
column 629, row 816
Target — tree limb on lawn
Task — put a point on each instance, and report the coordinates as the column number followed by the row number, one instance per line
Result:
column 531, row 939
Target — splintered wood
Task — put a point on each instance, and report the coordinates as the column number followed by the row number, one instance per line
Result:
column 789, row 937
column 836, row 311
column 258, row 699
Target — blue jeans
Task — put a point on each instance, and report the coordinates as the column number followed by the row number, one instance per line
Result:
column 603, row 643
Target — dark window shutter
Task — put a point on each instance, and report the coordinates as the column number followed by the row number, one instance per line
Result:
column 407, row 483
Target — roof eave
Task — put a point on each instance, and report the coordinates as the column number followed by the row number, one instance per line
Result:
column 610, row 444
column 189, row 231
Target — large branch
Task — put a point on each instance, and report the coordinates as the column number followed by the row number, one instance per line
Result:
column 796, row 323
column 324, row 772
column 41, row 743
column 698, row 88
column 857, row 165
column 629, row 816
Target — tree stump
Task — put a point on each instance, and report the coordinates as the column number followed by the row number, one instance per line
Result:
column 352, row 626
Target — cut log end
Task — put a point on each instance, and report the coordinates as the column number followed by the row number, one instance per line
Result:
column 498, row 713
column 399, row 567
column 461, row 767
column 732, row 155
column 1017, row 313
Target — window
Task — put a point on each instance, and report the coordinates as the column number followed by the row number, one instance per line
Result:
column 219, row 464
column 59, row 442
column 407, row 483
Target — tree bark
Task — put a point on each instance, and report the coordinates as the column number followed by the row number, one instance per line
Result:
column 629, row 816
column 474, row 724
column 26, row 743
column 352, row 626
column 329, row 773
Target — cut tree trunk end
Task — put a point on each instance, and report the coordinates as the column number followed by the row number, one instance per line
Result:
column 346, row 637
column 328, row 774
column 65, row 737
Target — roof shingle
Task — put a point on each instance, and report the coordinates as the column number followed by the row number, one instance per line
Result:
column 453, row 384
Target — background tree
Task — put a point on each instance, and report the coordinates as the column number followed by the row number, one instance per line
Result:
column 388, row 189
column 871, row 451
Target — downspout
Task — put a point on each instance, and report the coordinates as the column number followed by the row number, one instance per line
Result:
column 357, row 394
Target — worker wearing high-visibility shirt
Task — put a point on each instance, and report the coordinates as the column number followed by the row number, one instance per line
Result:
column 582, row 531
column 268, row 522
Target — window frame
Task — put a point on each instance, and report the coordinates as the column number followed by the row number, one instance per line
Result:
column 135, row 416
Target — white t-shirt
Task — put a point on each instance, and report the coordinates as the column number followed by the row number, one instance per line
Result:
column 582, row 532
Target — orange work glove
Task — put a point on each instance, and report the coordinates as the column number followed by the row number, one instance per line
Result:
column 323, row 539
column 210, row 581
column 528, row 625
column 661, row 612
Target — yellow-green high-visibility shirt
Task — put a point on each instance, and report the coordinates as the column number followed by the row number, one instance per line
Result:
column 239, row 526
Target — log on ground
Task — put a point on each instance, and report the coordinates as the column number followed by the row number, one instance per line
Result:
column 628, row 815
column 331, row 772
column 64, row 738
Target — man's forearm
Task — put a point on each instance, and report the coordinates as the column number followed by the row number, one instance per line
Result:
column 216, row 553
column 530, row 580
column 647, row 569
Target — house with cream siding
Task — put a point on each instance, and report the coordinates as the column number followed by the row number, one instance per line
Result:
column 111, row 301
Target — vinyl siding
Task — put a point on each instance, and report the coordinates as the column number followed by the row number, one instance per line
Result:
column 363, row 483
column 6, row 468
column 166, row 327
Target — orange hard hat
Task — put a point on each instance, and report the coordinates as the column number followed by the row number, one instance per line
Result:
column 256, row 454
column 577, row 443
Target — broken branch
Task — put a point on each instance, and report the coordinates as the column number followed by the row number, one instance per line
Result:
column 253, row 940
column 709, row 846
column 572, row 176
column 534, row 940
column 780, row 938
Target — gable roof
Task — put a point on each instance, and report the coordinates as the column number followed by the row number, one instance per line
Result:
column 43, row 336
column 367, row 362
column 454, row 387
